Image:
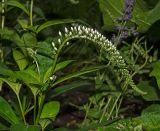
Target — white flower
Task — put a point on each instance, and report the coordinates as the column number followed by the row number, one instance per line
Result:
column 59, row 40
column 66, row 30
column 60, row 34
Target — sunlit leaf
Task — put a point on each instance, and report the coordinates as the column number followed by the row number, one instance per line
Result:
column 50, row 110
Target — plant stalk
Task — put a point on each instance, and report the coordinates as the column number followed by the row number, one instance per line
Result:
column 31, row 13
column 22, row 112
column 41, row 102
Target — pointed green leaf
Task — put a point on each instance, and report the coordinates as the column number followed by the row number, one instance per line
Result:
column 23, row 23
column 14, row 86
column 29, row 40
column 65, row 88
column 54, row 22
column 5, row 71
column 18, row 5
column 28, row 76
column 76, row 74
column 152, row 94
column 20, row 59
column 156, row 72
column 6, row 112
column 59, row 66
column 50, row 110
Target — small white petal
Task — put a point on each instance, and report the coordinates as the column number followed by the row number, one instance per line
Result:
column 55, row 48
column 60, row 33
column 59, row 40
column 72, row 29
column 66, row 30
column 53, row 44
column 51, row 78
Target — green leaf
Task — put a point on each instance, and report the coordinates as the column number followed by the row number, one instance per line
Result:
column 6, row 72
column 65, row 88
column 152, row 109
column 59, row 66
column 14, row 86
column 50, row 110
column 21, row 127
column 6, row 112
column 143, row 16
column 39, row 12
column 20, row 59
column 156, row 72
column 76, row 74
column 53, row 22
column 23, row 23
column 44, row 123
column 10, row 34
column 152, row 94
column 28, row 76
column 29, row 40
column 18, row 5
column 150, row 122
column 62, row 65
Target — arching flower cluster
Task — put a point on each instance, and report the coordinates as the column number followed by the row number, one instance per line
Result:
column 83, row 32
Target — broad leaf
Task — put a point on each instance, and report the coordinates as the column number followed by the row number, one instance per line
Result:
column 21, row 127
column 152, row 109
column 152, row 94
column 142, row 15
column 6, row 72
column 28, row 76
column 12, row 35
column 18, row 5
column 23, row 23
column 156, row 72
column 14, row 86
column 6, row 112
column 50, row 110
column 20, row 59
column 29, row 40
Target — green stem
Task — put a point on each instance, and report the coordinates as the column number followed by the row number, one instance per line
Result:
column 57, row 55
column 31, row 13
column 114, row 105
column 104, row 110
column 119, row 105
column 22, row 112
column 41, row 101
column 35, row 109
column 87, row 111
column 3, row 17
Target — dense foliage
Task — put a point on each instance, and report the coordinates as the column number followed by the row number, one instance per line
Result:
column 79, row 65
